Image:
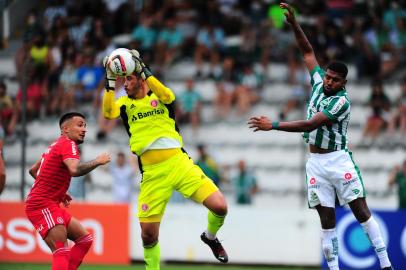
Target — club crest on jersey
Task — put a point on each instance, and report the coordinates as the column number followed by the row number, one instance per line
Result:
column 59, row 220
column 154, row 103
column 144, row 207
column 324, row 103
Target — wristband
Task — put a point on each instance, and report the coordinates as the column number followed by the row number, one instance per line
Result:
column 275, row 125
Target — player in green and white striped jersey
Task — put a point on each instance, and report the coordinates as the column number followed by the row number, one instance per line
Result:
column 330, row 170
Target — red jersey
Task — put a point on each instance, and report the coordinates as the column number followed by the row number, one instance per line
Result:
column 53, row 177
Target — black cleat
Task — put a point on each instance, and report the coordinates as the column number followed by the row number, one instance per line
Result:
column 216, row 247
column 388, row 268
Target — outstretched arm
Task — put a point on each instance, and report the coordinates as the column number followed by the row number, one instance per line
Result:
column 301, row 39
column 264, row 123
column 77, row 168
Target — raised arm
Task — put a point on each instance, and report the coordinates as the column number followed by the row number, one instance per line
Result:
column 301, row 39
column 161, row 91
column 77, row 168
column 263, row 123
column 109, row 106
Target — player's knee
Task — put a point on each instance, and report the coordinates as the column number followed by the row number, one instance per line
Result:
column 327, row 222
column 149, row 238
column 220, row 208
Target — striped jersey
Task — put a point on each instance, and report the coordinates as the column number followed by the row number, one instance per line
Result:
column 336, row 108
column 53, row 177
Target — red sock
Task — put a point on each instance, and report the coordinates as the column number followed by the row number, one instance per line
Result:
column 60, row 257
column 79, row 251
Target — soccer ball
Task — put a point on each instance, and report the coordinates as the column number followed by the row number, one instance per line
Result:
column 121, row 62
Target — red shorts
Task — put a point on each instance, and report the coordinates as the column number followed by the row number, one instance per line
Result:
column 48, row 217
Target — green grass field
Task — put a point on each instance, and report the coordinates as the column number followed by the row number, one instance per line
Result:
column 27, row 266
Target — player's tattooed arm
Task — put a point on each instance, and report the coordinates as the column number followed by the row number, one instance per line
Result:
column 77, row 168
column 34, row 169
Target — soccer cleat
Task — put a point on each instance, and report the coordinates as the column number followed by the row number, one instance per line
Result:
column 216, row 247
column 388, row 268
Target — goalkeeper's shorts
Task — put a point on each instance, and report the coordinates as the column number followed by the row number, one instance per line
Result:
column 160, row 180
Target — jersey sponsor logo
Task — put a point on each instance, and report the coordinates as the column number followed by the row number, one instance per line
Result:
column 347, row 176
column 141, row 115
column 324, row 103
column 73, row 148
column 154, row 103
column 312, row 181
column 340, row 103
column 350, row 181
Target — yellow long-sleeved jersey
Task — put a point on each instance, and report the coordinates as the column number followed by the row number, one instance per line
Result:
column 148, row 119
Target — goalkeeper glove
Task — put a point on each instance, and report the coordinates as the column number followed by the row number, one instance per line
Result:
column 140, row 67
column 110, row 76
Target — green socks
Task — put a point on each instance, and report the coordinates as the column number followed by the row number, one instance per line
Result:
column 152, row 256
column 214, row 222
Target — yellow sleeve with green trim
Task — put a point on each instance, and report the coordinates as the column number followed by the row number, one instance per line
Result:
column 161, row 91
column 111, row 110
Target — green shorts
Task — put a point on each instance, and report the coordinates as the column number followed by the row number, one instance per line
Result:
column 160, row 180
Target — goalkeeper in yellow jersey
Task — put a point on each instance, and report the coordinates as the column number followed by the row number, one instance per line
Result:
column 148, row 116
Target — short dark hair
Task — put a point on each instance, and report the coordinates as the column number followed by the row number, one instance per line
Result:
column 338, row 67
column 68, row 116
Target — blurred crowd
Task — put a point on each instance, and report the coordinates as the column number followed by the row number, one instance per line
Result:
column 233, row 42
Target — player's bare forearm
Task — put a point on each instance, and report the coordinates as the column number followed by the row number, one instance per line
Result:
column 86, row 167
column 297, row 126
column 34, row 169
column 263, row 123
column 301, row 39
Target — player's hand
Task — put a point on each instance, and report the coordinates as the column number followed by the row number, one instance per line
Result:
column 66, row 199
column 110, row 76
column 289, row 14
column 140, row 67
column 103, row 158
column 260, row 123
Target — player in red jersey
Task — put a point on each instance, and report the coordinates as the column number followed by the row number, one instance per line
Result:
column 52, row 175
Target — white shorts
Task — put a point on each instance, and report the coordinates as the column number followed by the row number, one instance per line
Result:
column 330, row 174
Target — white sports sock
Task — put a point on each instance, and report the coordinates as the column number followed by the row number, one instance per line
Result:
column 329, row 245
column 210, row 236
column 371, row 228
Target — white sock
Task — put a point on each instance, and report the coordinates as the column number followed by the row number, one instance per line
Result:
column 210, row 236
column 371, row 228
column 329, row 245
